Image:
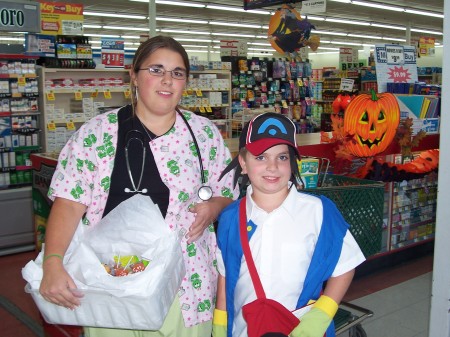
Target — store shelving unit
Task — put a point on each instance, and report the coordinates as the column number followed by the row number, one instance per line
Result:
column 208, row 93
column 19, row 138
column 72, row 96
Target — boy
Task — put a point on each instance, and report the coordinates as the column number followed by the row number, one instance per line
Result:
column 297, row 241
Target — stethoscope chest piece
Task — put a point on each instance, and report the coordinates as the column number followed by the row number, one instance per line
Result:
column 205, row 193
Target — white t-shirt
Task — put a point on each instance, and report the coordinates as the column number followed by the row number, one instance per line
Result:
column 282, row 247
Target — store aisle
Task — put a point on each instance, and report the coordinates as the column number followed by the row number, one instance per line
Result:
column 399, row 298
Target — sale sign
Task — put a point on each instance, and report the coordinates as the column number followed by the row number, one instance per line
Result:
column 59, row 18
column 113, row 52
column 395, row 64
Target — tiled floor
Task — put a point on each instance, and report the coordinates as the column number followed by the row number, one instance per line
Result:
column 399, row 298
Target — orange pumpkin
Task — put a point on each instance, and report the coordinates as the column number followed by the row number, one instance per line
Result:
column 371, row 121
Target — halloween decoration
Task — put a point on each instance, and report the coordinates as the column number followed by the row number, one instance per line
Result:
column 288, row 32
column 370, row 124
column 372, row 121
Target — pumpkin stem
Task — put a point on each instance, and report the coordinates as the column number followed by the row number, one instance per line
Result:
column 374, row 95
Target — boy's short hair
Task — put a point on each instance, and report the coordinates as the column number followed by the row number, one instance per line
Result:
column 263, row 132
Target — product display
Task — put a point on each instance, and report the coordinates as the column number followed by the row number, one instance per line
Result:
column 19, row 119
column 72, row 96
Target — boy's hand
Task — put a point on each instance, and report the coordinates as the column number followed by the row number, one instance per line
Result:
column 316, row 321
column 219, row 323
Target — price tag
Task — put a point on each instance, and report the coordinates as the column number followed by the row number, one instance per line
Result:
column 21, row 82
column 202, row 109
column 346, row 84
column 94, row 94
column 70, row 125
column 78, row 95
column 50, row 95
column 284, row 103
column 51, row 126
column 185, row 93
column 107, row 94
column 299, row 82
column 199, row 93
column 127, row 93
column 208, row 109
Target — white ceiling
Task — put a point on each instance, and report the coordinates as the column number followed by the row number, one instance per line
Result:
column 335, row 9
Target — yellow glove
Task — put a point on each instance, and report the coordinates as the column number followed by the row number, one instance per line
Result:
column 219, row 323
column 315, row 322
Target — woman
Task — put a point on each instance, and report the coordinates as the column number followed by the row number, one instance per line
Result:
column 148, row 147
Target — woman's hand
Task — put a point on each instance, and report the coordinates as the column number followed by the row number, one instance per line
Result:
column 205, row 214
column 57, row 286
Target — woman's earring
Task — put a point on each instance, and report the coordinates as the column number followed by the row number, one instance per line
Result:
column 137, row 94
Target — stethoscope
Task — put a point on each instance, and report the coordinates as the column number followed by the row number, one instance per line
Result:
column 204, row 192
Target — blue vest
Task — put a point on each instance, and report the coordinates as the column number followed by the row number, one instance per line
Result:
column 323, row 262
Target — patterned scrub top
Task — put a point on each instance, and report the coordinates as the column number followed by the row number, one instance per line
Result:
column 83, row 174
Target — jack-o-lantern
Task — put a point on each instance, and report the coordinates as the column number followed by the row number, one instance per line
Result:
column 371, row 121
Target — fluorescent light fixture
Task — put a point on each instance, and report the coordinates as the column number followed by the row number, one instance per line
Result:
column 365, row 36
column 229, row 24
column 115, row 15
column 237, row 9
column 426, row 31
column 196, row 51
column 346, row 43
column 342, row 1
column 261, row 36
column 92, row 26
column 234, row 35
column 101, row 35
column 375, row 5
column 325, row 52
column 193, row 46
column 393, row 39
column 330, row 33
column 179, row 39
column 177, row 31
column 261, row 49
column 200, row 22
column 350, row 22
column 315, row 18
column 368, row 45
column 176, row 3
column 19, row 39
column 135, row 37
column 328, row 48
column 259, row 44
column 418, row 12
column 126, row 28
column 382, row 25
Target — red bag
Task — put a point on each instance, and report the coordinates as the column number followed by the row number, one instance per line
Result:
column 263, row 315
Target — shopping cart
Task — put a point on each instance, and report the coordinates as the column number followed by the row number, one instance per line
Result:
column 348, row 319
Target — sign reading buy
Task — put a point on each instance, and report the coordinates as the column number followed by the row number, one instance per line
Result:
column 59, row 18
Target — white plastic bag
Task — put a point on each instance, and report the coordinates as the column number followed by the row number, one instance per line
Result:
column 135, row 301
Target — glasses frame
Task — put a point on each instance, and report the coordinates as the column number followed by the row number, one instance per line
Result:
column 164, row 71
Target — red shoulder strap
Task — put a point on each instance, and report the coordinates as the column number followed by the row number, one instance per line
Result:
column 246, row 248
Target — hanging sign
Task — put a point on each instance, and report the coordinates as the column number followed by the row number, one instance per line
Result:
column 113, row 52
column 346, row 84
column 19, row 17
column 426, row 46
column 314, row 6
column 58, row 18
column 233, row 48
column 395, row 64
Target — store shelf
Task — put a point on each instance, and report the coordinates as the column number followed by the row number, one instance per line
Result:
column 208, row 94
column 67, row 101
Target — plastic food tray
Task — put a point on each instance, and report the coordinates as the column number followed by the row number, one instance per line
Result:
column 101, row 309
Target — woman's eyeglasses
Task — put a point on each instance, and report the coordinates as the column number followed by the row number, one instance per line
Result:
column 177, row 74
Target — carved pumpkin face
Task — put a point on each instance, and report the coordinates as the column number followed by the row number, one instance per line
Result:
column 371, row 120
